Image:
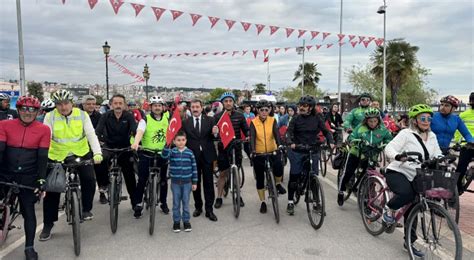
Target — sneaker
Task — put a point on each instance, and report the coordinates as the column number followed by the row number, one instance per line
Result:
column 416, row 252
column 102, row 198
column 280, row 189
column 137, row 211
column 340, row 199
column 176, row 227
column 290, row 209
column 30, row 254
column 87, row 215
column 187, row 227
column 46, row 233
column 165, row 208
column 242, row 204
column 387, row 217
column 218, row 203
column 263, row 207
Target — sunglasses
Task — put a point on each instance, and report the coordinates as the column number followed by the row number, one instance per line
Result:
column 264, row 110
column 365, row 99
column 28, row 109
column 425, row 119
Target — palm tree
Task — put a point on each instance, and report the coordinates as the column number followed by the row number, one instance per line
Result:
column 401, row 64
column 311, row 74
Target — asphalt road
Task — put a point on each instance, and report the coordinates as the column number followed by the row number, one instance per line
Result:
column 252, row 236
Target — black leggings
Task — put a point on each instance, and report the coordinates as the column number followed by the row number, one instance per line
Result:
column 465, row 158
column 403, row 194
column 351, row 166
column 259, row 167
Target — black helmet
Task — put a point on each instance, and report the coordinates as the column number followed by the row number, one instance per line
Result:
column 307, row 100
column 365, row 95
column 263, row 103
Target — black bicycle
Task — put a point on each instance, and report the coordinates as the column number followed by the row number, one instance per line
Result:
column 270, row 183
column 309, row 185
column 234, row 178
column 10, row 208
column 115, row 184
column 325, row 156
column 73, row 197
column 152, row 188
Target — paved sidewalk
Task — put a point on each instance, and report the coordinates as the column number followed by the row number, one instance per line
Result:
column 466, row 223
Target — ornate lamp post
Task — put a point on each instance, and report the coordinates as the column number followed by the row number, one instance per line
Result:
column 106, row 49
column 146, row 75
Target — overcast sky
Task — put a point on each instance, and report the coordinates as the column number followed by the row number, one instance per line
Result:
column 63, row 42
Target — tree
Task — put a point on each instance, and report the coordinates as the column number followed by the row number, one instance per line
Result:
column 215, row 94
column 413, row 91
column 311, row 75
column 237, row 93
column 401, row 64
column 260, row 88
column 293, row 94
column 99, row 99
column 36, row 89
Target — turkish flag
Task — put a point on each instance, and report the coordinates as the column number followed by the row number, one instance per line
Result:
column 226, row 130
column 174, row 126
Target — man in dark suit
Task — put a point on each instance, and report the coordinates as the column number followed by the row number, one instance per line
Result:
column 198, row 130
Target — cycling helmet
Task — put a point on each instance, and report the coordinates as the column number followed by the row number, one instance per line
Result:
column 226, row 95
column 62, row 95
column 47, row 104
column 25, row 101
column 307, row 100
column 451, row 100
column 418, row 109
column 157, row 100
column 263, row 103
column 372, row 112
column 365, row 95
column 131, row 104
column 4, row 96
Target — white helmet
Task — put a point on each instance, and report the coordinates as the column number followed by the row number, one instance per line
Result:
column 62, row 95
column 157, row 100
column 47, row 104
column 4, row 96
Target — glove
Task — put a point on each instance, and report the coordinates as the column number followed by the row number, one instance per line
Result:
column 401, row 157
column 40, row 188
column 98, row 158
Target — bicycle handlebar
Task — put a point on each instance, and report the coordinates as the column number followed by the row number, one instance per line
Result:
column 79, row 163
column 117, row 150
column 14, row 184
column 427, row 163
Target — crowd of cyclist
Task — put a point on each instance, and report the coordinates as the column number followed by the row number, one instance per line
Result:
column 56, row 131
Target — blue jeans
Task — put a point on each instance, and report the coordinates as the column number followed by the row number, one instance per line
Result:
column 181, row 194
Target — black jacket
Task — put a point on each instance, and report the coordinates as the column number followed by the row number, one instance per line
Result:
column 201, row 143
column 8, row 114
column 116, row 133
column 238, row 123
column 95, row 117
column 334, row 119
column 305, row 130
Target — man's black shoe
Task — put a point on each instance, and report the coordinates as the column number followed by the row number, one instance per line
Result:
column 211, row 216
column 165, row 208
column 197, row 213
column 218, row 203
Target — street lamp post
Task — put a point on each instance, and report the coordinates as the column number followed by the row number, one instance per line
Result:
column 340, row 61
column 382, row 10
column 106, row 49
column 146, row 75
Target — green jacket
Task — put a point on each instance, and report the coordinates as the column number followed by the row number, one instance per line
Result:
column 376, row 137
column 468, row 118
column 355, row 117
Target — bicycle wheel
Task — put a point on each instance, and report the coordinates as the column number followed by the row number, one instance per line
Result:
column 452, row 206
column 75, row 222
column 235, row 191
column 372, row 199
column 5, row 222
column 151, row 190
column 273, row 194
column 438, row 235
column 314, row 199
column 242, row 176
column 114, row 197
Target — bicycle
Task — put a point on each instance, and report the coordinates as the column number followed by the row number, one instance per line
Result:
column 467, row 178
column 370, row 152
column 324, row 157
column 241, row 177
column 234, row 180
column 73, row 204
column 308, row 184
column 10, row 208
column 270, row 183
column 429, row 187
column 115, row 184
column 152, row 187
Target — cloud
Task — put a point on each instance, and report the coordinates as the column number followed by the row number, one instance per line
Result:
column 63, row 43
